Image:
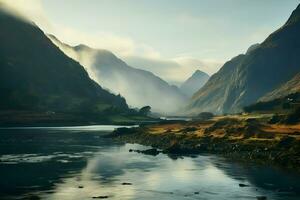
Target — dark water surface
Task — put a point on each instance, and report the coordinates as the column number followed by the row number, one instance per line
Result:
column 77, row 163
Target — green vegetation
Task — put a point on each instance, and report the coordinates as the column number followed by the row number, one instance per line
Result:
column 205, row 115
column 145, row 111
column 40, row 84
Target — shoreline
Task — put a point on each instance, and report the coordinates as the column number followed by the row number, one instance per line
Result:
column 277, row 149
column 37, row 119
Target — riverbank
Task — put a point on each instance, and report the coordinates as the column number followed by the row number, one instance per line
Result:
column 242, row 137
column 35, row 118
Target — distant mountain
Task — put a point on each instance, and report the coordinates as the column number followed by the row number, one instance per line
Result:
column 194, row 83
column 139, row 87
column 35, row 75
column 246, row 78
column 290, row 87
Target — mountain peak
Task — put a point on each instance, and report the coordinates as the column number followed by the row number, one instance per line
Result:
column 194, row 83
column 295, row 16
column 199, row 73
column 246, row 78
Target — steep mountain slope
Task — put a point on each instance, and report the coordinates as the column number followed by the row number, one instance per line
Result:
column 290, row 87
column 139, row 87
column 250, row 76
column 194, row 83
column 36, row 76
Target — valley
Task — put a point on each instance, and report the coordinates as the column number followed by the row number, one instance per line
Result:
column 191, row 117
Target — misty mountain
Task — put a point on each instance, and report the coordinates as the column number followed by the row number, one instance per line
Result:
column 194, row 83
column 35, row 75
column 139, row 87
column 248, row 77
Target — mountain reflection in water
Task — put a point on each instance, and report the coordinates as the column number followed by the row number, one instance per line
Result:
column 78, row 163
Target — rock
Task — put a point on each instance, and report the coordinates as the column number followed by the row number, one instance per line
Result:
column 153, row 152
column 174, row 148
column 126, row 183
column 243, row 185
column 101, row 197
column 261, row 198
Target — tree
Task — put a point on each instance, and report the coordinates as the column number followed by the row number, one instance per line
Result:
column 145, row 110
column 205, row 115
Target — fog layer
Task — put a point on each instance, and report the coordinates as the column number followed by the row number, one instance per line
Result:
column 139, row 87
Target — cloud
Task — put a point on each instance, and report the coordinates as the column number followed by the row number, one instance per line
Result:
column 209, row 66
column 175, row 70
column 28, row 9
column 159, row 66
column 136, row 54
column 100, row 40
column 123, row 46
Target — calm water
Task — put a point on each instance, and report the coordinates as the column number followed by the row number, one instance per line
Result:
column 79, row 163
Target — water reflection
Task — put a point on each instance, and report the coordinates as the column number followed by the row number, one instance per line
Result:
column 63, row 164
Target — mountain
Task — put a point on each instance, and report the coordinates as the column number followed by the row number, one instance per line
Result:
column 139, row 87
column 194, row 83
column 37, row 76
column 290, row 87
column 248, row 77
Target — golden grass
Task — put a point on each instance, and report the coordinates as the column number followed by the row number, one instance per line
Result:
column 278, row 130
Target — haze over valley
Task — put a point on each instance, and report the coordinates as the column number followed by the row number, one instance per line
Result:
column 162, row 99
column 139, row 87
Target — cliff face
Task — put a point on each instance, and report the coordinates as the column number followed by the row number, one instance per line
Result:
column 246, row 78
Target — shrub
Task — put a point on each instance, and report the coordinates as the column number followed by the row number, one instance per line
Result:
column 205, row 116
column 145, row 110
column 293, row 117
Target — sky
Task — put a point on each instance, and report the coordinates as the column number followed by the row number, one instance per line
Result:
column 171, row 38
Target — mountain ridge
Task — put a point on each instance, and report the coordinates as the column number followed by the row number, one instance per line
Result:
column 272, row 63
column 37, row 76
column 139, row 87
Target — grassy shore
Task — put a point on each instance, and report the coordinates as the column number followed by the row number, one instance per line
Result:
column 243, row 137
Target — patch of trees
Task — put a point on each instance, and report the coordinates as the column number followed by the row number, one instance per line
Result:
column 146, row 110
column 205, row 116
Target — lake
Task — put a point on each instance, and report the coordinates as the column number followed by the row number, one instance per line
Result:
column 78, row 163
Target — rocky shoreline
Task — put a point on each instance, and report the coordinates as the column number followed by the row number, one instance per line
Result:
column 279, row 150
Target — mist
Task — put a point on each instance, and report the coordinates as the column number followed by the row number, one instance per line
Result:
column 139, row 87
